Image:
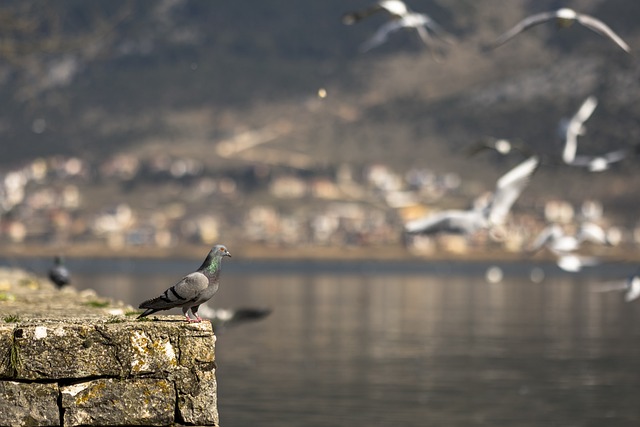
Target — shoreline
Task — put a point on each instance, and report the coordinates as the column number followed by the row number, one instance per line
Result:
column 267, row 252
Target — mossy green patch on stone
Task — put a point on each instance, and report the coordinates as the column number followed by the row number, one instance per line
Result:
column 12, row 318
column 97, row 304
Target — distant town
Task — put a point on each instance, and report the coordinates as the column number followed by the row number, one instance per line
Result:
column 165, row 202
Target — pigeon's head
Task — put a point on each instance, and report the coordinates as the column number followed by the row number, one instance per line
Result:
column 220, row 250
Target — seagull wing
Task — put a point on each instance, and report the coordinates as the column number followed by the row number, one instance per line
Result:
column 615, row 156
column 452, row 221
column 602, row 29
column 381, row 35
column 592, row 233
column 543, row 238
column 575, row 128
column 526, row 23
column 508, row 189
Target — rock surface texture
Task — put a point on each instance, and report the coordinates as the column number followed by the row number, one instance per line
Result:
column 72, row 358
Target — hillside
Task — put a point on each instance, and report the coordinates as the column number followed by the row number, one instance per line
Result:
column 101, row 79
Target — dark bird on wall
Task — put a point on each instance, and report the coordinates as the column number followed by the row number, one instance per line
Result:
column 193, row 289
column 59, row 273
column 564, row 18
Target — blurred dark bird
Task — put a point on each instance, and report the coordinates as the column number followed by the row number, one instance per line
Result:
column 58, row 273
column 193, row 289
column 630, row 287
column 401, row 17
column 564, row 18
column 486, row 213
column 222, row 317
column 501, row 146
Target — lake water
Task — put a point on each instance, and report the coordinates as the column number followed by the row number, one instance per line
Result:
column 415, row 344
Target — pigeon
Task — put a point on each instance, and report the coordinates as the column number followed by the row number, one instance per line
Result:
column 486, row 213
column 192, row 290
column 401, row 17
column 564, row 18
column 59, row 274
column 221, row 317
column 631, row 287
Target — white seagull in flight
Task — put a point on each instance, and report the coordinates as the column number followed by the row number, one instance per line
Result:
column 401, row 17
column 564, row 18
column 484, row 215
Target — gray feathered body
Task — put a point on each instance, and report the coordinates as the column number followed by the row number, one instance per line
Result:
column 193, row 289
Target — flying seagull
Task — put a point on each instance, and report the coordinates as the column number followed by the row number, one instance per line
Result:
column 574, row 128
column 401, row 17
column 564, row 246
column 483, row 215
column 630, row 286
column 554, row 238
column 564, row 18
column 59, row 274
column 193, row 289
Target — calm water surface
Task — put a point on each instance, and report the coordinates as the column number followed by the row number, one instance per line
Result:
column 410, row 344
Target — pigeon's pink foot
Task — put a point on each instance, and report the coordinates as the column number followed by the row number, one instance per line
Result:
column 199, row 318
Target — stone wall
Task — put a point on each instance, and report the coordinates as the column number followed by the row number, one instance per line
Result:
column 70, row 358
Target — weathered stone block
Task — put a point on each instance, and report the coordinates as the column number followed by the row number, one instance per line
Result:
column 61, row 351
column 6, row 343
column 28, row 404
column 112, row 402
column 197, row 400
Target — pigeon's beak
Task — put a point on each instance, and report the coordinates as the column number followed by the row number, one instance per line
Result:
column 226, row 253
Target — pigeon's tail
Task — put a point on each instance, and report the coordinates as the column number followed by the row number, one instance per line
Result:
column 147, row 312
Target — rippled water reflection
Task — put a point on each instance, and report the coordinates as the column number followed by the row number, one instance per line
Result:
column 414, row 345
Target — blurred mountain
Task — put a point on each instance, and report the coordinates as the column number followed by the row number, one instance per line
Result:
column 283, row 82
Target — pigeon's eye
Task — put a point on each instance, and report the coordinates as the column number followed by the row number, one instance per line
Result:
column 221, row 249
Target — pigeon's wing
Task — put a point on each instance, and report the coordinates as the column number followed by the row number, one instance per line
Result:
column 381, row 35
column 602, row 29
column 526, row 23
column 633, row 286
column 575, row 128
column 182, row 293
column 509, row 187
column 448, row 221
